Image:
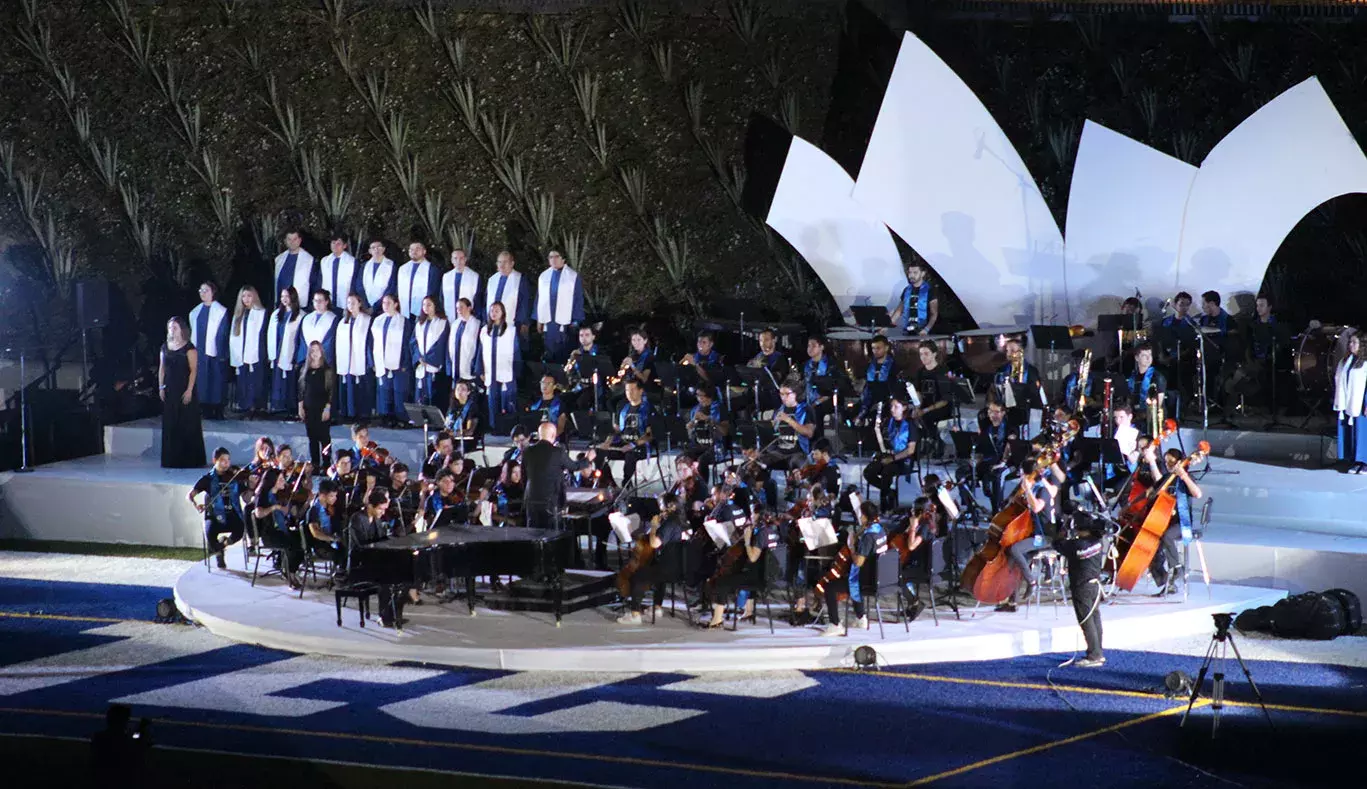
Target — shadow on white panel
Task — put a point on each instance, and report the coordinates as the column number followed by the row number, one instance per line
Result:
column 848, row 247
column 1125, row 209
column 942, row 174
column 1258, row 183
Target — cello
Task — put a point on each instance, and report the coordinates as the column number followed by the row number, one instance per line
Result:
column 641, row 555
column 1142, row 525
column 990, row 574
column 840, row 567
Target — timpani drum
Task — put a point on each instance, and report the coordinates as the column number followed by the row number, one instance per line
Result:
column 850, row 347
column 1318, row 353
column 981, row 349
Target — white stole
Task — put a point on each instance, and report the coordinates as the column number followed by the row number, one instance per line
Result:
column 510, row 295
column 374, row 283
column 346, row 271
column 303, row 272
column 387, row 351
column 469, row 286
column 562, row 312
column 1350, row 386
column 463, row 358
column 282, row 357
column 413, row 281
column 207, row 345
column 428, row 335
column 245, row 348
column 498, row 370
column 316, row 325
column 351, row 346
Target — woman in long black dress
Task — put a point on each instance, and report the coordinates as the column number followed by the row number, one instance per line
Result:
column 317, row 389
column 182, row 437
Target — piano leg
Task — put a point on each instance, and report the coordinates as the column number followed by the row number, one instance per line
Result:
column 470, row 592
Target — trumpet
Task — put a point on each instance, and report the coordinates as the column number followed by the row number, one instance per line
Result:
column 1084, row 371
column 1155, row 403
column 1018, row 367
column 758, row 361
column 627, row 366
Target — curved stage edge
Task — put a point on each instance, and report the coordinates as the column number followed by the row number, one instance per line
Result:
column 273, row 616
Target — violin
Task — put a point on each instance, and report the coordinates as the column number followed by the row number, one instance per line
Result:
column 809, row 472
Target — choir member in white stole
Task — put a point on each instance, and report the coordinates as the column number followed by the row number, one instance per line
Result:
column 559, row 307
column 462, row 347
column 355, row 384
column 319, row 326
column 509, row 288
column 417, row 279
column 209, row 334
column 500, row 354
column 379, row 276
column 461, row 282
column 282, row 347
column 247, row 351
column 339, row 274
column 295, row 266
column 429, row 355
column 390, row 341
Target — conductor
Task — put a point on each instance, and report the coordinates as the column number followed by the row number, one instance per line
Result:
column 544, row 465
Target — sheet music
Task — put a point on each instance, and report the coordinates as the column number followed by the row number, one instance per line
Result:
column 623, row 525
column 584, row 495
column 816, row 532
column 719, row 532
column 947, row 502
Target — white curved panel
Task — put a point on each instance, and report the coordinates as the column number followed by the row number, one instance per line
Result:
column 942, row 174
column 1125, row 209
column 848, row 247
column 1258, row 183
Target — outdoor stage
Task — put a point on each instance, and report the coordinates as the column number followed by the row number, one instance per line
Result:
column 1274, row 527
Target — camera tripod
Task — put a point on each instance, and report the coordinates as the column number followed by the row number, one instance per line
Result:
column 1220, row 643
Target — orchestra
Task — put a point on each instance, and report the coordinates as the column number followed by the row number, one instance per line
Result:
column 896, row 394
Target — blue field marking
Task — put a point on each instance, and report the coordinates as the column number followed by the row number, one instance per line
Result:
column 970, row 724
column 69, row 598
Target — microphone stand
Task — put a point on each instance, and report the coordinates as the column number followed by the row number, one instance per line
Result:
column 1205, row 397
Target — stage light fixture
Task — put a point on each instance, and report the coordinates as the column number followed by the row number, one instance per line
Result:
column 1177, row 684
column 166, row 611
column 865, row 657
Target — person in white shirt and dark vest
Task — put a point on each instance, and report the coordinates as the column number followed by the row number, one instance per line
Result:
column 431, row 384
column 461, row 282
column 247, row 351
column 319, row 326
column 295, row 266
column 379, row 276
column 500, row 356
column 339, row 274
column 559, row 307
column 282, row 348
column 417, row 279
column 355, row 385
column 1349, row 403
column 509, row 288
column 209, row 324
column 391, row 354
column 462, row 343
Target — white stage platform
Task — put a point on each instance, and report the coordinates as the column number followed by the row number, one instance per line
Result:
column 272, row 615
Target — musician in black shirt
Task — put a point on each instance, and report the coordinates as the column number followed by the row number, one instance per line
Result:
column 936, row 391
column 364, row 528
column 664, row 535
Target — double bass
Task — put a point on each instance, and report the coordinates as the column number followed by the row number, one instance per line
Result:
column 990, row 574
column 1142, row 525
column 840, row 568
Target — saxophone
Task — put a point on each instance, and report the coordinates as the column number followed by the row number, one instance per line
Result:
column 572, row 368
column 1018, row 367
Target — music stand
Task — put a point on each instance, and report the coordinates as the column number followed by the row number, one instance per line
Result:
column 871, row 316
column 598, row 366
column 753, row 377
column 1104, row 451
column 1117, row 323
column 427, row 416
column 963, row 394
column 1052, row 338
column 1278, row 330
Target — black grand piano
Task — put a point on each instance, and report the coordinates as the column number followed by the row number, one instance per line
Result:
column 462, row 551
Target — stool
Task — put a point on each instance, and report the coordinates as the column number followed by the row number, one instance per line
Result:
column 1049, row 568
column 361, row 592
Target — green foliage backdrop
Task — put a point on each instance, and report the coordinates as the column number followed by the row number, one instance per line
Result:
column 158, row 142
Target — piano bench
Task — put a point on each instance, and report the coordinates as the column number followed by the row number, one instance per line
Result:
column 361, row 592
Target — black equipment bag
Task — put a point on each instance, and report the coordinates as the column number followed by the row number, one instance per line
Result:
column 1255, row 620
column 1352, row 609
column 1309, row 615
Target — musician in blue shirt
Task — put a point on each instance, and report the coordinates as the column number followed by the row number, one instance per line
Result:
column 273, row 521
column 706, row 360
column 582, row 387
column 548, row 404
column 706, row 426
column 326, row 522
column 818, row 366
column 878, row 378
column 1168, row 560
column 1040, row 488
column 866, row 541
column 794, row 426
column 631, row 430
column 898, row 445
column 1146, row 381
column 465, row 419
column 223, row 490
column 918, row 304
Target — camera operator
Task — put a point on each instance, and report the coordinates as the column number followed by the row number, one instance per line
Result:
column 1083, row 545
